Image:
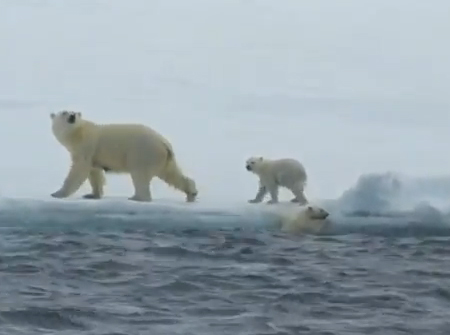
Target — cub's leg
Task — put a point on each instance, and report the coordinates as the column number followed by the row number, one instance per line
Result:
column 260, row 194
column 97, row 180
column 272, row 187
column 298, row 191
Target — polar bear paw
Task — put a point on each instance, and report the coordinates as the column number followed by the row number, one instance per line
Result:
column 140, row 198
column 301, row 202
column 91, row 196
column 59, row 194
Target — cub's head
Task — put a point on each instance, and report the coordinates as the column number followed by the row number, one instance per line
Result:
column 253, row 164
column 65, row 122
column 190, row 190
column 316, row 213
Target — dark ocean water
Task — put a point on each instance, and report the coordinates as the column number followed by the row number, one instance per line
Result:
column 66, row 273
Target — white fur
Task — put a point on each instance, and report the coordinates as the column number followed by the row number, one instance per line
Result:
column 120, row 148
column 275, row 173
column 310, row 219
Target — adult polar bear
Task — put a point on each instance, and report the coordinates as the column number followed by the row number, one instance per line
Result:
column 121, row 148
column 273, row 173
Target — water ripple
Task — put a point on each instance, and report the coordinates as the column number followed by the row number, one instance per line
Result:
column 222, row 282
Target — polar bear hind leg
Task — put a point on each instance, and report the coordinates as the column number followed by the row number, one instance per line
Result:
column 172, row 175
column 298, row 191
column 97, row 181
column 141, row 179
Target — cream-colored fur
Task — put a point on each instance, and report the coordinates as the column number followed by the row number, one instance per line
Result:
column 275, row 173
column 310, row 219
column 119, row 148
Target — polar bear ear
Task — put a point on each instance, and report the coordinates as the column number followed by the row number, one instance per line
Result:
column 52, row 115
column 78, row 114
column 260, row 158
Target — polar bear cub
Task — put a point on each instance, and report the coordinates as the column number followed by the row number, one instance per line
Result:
column 120, row 148
column 275, row 173
column 310, row 219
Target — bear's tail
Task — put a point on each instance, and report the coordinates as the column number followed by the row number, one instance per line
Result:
column 173, row 175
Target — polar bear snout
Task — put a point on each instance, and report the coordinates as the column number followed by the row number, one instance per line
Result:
column 63, row 117
column 253, row 164
column 71, row 118
column 325, row 214
column 317, row 213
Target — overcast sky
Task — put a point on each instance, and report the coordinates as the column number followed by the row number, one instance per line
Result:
column 347, row 87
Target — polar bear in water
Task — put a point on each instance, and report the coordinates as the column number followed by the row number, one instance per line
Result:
column 120, row 148
column 310, row 219
column 273, row 173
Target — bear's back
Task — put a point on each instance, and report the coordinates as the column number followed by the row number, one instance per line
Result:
column 288, row 171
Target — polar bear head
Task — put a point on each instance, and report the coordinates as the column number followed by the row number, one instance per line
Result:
column 254, row 164
column 310, row 219
column 316, row 213
column 64, row 123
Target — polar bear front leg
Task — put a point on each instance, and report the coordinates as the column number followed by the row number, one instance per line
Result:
column 97, row 181
column 78, row 173
column 273, row 190
column 261, row 193
column 141, row 182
